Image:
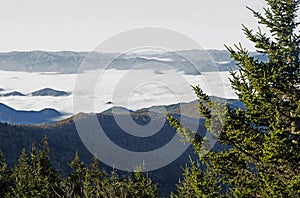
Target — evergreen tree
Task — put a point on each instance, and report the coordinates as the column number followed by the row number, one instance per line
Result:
column 96, row 180
column 197, row 183
column 114, row 185
column 263, row 156
column 92, row 180
column 77, row 177
column 34, row 175
column 47, row 170
column 140, row 185
column 20, row 175
column 27, row 177
column 4, row 176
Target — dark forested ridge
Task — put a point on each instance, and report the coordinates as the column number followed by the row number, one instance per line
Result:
column 34, row 176
column 64, row 141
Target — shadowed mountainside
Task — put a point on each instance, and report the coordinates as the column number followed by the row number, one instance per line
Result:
column 64, row 139
column 10, row 115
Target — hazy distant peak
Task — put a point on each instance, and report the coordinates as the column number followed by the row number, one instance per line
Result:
column 49, row 92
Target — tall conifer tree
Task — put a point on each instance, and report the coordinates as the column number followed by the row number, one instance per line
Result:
column 4, row 176
column 263, row 137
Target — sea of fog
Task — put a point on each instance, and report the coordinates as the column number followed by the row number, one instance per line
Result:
column 98, row 90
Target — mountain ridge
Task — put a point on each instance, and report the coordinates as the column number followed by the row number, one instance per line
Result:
column 188, row 61
column 41, row 92
column 10, row 115
column 64, row 139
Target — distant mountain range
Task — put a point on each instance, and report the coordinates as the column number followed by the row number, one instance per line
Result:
column 64, row 139
column 64, row 142
column 48, row 115
column 13, row 93
column 188, row 61
column 41, row 92
column 20, row 129
column 10, row 115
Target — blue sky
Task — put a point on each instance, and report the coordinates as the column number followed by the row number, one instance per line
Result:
column 82, row 25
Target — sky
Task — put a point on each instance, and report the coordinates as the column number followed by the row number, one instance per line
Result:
column 81, row 25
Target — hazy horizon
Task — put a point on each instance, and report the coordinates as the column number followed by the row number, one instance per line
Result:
column 83, row 25
column 77, row 51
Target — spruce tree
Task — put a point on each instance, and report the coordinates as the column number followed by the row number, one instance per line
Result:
column 263, row 153
column 20, row 176
column 142, row 186
column 93, row 180
column 76, row 178
column 28, row 180
column 34, row 175
column 4, row 176
column 47, row 170
column 197, row 183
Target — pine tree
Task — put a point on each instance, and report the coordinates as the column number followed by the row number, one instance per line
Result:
column 263, row 153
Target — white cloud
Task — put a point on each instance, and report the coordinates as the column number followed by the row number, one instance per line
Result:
column 146, row 90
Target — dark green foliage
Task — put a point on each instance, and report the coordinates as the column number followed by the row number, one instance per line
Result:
column 197, row 183
column 76, row 178
column 142, row 186
column 263, row 157
column 94, row 182
column 4, row 176
column 34, row 176
column 28, row 178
